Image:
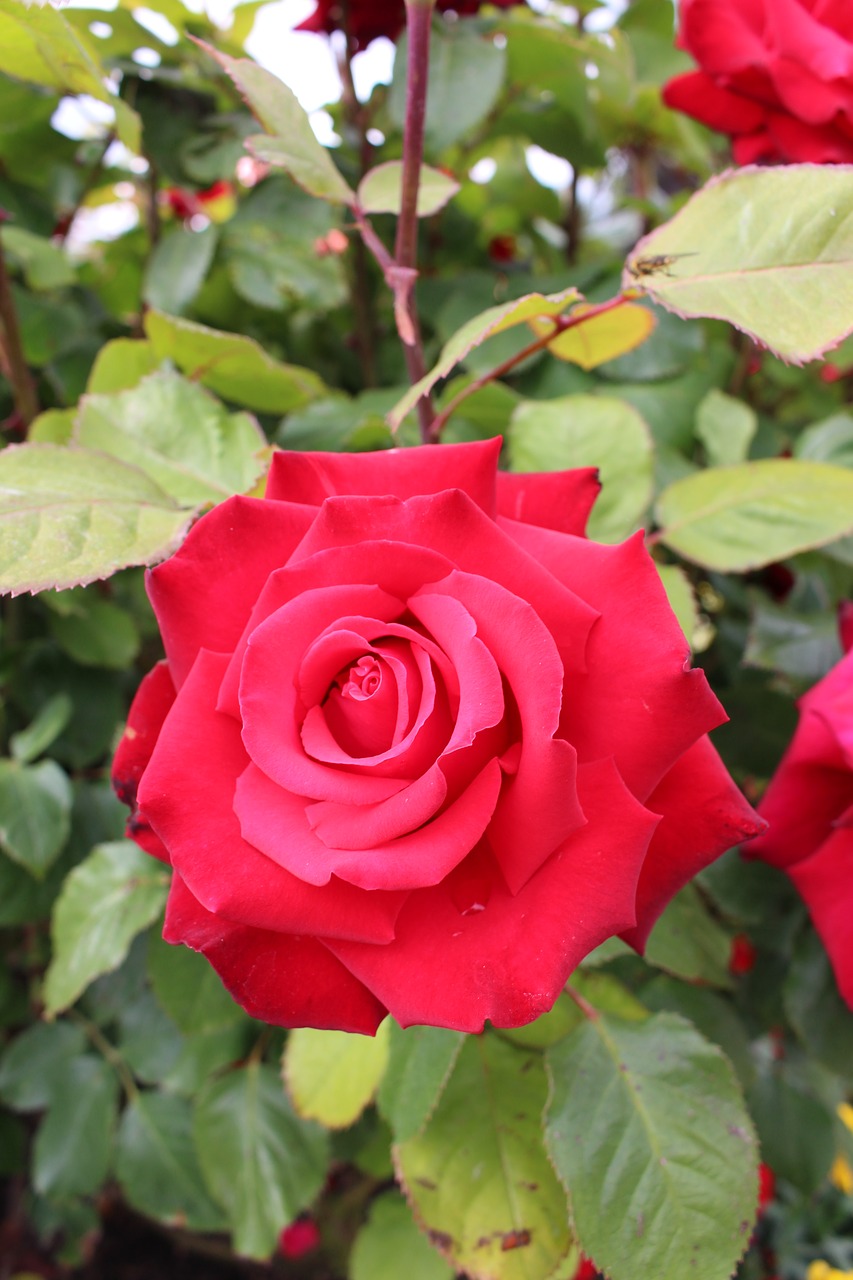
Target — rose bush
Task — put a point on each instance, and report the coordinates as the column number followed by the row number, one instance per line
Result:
column 809, row 806
column 366, row 20
column 777, row 75
column 417, row 745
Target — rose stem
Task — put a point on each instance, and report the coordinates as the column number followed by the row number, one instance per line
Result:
column 361, row 296
column 12, row 350
column 561, row 325
column 418, row 18
column 585, row 1007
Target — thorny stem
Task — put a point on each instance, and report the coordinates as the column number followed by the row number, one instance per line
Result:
column 12, row 359
column 418, row 17
column 561, row 325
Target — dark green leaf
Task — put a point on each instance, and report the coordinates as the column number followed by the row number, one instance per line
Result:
column 73, row 1144
column 390, row 1236
column 36, row 1061
column 35, row 813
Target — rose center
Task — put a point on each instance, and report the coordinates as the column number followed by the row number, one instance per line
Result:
column 365, row 679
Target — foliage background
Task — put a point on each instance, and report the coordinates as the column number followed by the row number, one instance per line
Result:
column 146, row 1091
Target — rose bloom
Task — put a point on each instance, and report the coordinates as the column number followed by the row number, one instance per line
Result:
column 366, row 20
column 777, row 75
column 809, row 806
column 417, row 746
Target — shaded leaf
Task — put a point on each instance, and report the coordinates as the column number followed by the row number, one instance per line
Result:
column 105, row 902
column 390, row 1236
column 35, row 813
column 381, row 189
column 688, row 942
column 420, row 1060
column 73, row 1145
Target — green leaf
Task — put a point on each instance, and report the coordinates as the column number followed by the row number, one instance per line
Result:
column 179, row 435
column 148, row 1040
column 797, row 1129
column 815, row 1009
column 35, row 813
column 105, row 902
column 232, row 365
column 739, row 518
column 381, row 190
column 96, row 633
column 189, row 990
column 802, row 645
column 648, row 1132
column 54, row 426
column 178, row 266
column 420, row 1061
column 331, row 1076
column 466, row 74
column 73, row 1145
column 479, row 1178
column 68, row 516
column 605, row 336
column 51, row 718
column 44, row 264
column 590, row 431
column 475, row 332
column 389, row 1238
column 688, row 942
column 260, row 1161
column 828, row 441
column 122, row 364
column 157, row 1165
column 770, row 250
column 33, row 1065
column 726, row 427
column 711, row 1014
column 289, row 142
column 41, row 46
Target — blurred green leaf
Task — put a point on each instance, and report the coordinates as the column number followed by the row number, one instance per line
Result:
column 289, row 141
column 36, row 1061
column 50, row 720
column 590, row 431
column 97, row 633
column 648, row 1131
column 189, row 990
column 74, row 1141
column 231, row 365
column 157, row 1165
column 381, row 189
column 819, row 1016
column 178, row 266
column 688, row 942
column 44, row 265
column 797, row 1129
column 122, row 364
column 726, row 427
column 390, row 1236
column 466, row 74
column 259, row 1160
column 827, row 441
column 35, row 813
column 116, row 892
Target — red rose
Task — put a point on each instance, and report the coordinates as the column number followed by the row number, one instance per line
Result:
column 366, row 20
column 809, row 806
column 777, row 75
column 427, row 750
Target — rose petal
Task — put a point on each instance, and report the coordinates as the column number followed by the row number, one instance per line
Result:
column 697, row 95
column 312, row 477
column 702, row 814
column 285, row 980
column 187, row 794
column 277, row 822
column 639, row 701
column 508, row 962
column 554, row 499
column 149, row 709
column 204, row 593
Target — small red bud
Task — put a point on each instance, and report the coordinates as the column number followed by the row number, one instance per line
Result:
column 742, row 957
column 503, row 248
column 587, row 1270
column 766, row 1186
column 299, row 1238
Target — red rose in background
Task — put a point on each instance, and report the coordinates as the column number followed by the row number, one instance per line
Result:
column 418, row 746
column 777, row 75
column 809, row 806
column 366, row 20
